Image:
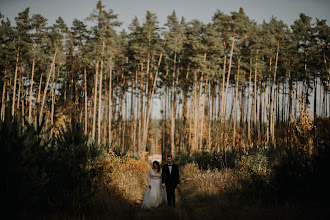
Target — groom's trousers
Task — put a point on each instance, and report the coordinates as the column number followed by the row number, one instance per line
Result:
column 170, row 190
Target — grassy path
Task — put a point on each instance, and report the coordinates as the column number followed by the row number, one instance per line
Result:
column 164, row 211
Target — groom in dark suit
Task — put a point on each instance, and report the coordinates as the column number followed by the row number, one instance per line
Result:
column 170, row 179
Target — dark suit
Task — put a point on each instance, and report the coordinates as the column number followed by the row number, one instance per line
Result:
column 170, row 180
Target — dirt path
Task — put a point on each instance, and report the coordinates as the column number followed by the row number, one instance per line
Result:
column 164, row 211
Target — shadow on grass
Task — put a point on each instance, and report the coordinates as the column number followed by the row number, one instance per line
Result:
column 240, row 204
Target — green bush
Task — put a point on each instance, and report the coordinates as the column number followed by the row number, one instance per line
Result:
column 40, row 173
column 24, row 179
column 70, row 166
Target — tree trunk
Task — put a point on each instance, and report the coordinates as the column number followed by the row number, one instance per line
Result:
column 52, row 89
column 164, row 121
column 228, row 76
column 135, row 112
column 141, row 110
column 249, row 103
column 236, row 95
column 185, row 112
column 110, row 110
column 15, row 81
column 273, row 98
column 95, row 97
column 223, row 107
column 255, row 99
column 173, row 107
column 290, row 107
column 268, row 105
column 20, row 84
column 196, row 109
column 105, row 112
column 203, row 113
column 3, row 106
column 31, row 86
column 86, row 95
column 46, row 87
column 210, row 117
column 100, row 98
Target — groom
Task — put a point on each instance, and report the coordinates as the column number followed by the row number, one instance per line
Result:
column 170, row 179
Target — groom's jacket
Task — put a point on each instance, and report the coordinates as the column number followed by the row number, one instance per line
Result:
column 173, row 178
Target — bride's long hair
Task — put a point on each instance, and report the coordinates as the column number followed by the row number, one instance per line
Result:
column 158, row 167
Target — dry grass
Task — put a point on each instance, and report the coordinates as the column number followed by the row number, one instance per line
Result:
column 127, row 176
column 219, row 194
column 205, row 193
column 209, row 182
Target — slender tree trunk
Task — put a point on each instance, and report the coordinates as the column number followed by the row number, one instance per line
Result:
column 223, row 107
column 268, row 105
column 228, row 76
column 100, row 98
column 173, row 107
column 31, row 86
column 315, row 88
column 39, row 89
column 255, row 96
column 304, row 91
column 52, row 89
column 164, row 120
column 20, row 83
column 86, row 95
column 249, row 103
column 210, row 117
column 266, row 111
column 110, row 110
column 296, row 103
column 46, row 87
column 190, row 117
column 135, row 113
column 15, row 81
column 141, row 110
column 290, row 107
column 95, row 97
column 260, row 127
column 202, row 114
column 196, row 109
column 185, row 112
column 273, row 98
column 105, row 112
column 236, row 95
column 3, row 106
column 120, row 121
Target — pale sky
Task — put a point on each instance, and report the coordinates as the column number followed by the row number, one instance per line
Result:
column 203, row 10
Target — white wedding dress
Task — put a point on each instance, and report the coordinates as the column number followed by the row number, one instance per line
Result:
column 157, row 194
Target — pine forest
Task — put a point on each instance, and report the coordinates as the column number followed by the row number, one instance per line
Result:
column 243, row 107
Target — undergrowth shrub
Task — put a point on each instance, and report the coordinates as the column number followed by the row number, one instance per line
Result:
column 70, row 167
column 23, row 172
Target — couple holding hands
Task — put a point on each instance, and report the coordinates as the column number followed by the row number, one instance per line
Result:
column 161, row 184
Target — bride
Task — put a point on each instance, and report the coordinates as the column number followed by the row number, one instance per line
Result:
column 155, row 193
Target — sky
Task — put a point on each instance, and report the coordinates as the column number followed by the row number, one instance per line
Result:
column 203, row 10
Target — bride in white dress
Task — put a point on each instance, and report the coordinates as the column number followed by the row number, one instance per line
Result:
column 155, row 193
